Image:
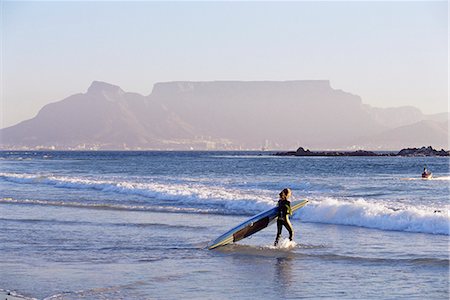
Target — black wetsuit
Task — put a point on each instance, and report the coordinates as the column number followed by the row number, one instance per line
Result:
column 284, row 211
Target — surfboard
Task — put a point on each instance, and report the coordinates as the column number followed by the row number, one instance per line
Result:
column 251, row 226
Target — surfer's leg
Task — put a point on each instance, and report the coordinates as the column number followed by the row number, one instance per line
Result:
column 289, row 227
column 279, row 228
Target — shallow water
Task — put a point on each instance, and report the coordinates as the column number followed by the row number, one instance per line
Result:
column 118, row 225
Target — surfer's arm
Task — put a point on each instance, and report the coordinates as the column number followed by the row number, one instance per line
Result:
column 288, row 209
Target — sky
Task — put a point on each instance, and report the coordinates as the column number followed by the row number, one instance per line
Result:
column 389, row 53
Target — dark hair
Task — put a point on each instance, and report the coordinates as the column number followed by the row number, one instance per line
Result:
column 285, row 194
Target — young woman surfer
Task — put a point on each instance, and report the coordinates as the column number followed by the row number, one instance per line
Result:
column 284, row 211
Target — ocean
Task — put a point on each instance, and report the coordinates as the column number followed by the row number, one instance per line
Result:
column 134, row 225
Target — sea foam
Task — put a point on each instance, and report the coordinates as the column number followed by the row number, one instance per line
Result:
column 376, row 215
column 204, row 196
column 218, row 199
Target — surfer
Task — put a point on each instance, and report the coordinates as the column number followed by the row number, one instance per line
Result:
column 426, row 173
column 284, row 211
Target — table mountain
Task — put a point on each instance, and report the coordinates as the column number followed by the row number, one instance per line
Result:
column 224, row 115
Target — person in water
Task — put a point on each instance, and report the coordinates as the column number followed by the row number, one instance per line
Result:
column 426, row 173
column 284, row 211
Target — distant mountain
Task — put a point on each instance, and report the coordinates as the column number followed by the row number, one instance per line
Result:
column 424, row 132
column 395, row 116
column 224, row 115
column 104, row 117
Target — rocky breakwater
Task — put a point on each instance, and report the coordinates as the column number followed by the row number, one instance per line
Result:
column 424, row 151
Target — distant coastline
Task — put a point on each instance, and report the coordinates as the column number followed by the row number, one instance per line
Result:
column 406, row 152
column 418, row 152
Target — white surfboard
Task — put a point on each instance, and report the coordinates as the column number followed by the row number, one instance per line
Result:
column 251, row 226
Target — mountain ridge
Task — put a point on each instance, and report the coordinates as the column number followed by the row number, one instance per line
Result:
column 220, row 115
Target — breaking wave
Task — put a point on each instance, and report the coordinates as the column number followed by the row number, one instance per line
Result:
column 207, row 198
column 197, row 194
column 376, row 215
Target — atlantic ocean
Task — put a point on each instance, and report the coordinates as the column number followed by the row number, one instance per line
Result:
column 135, row 225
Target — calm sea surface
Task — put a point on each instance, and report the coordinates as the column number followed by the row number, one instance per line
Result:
column 134, row 225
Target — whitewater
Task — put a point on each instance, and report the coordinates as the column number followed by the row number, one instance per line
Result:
column 195, row 197
column 105, row 211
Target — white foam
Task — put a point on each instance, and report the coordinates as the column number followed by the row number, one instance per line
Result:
column 284, row 244
column 376, row 215
column 438, row 178
column 209, row 197
column 444, row 178
column 203, row 195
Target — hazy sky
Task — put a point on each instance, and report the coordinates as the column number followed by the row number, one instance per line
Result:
column 389, row 53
